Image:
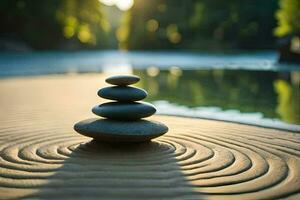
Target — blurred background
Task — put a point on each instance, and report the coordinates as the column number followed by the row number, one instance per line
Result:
column 223, row 59
column 212, row 25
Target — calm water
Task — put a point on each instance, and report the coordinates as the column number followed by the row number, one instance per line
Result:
column 264, row 97
column 246, row 87
column 38, row 63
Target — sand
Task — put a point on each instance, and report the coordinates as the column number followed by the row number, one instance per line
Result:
column 41, row 156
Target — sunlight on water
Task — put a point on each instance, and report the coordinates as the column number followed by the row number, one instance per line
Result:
column 245, row 87
column 121, row 4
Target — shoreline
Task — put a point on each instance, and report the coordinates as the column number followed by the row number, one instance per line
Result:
column 295, row 128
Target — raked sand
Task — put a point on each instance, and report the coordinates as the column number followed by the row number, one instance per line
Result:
column 42, row 157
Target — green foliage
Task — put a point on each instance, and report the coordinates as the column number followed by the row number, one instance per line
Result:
column 158, row 24
column 155, row 24
column 288, row 18
column 28, row 21
column 82, row 20
column 203, row 24
column 288, row 101
column 53, row 23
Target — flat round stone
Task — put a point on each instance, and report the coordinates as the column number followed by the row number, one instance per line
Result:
column 124, row 111
column 122, row 93
column 120, row 131
column 123, row 80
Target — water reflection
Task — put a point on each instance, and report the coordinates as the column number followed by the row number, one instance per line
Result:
column 274, row 94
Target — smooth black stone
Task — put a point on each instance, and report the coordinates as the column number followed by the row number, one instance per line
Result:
column 120, row 131
column 123, row 80
column 122, row 93
column 124, row 111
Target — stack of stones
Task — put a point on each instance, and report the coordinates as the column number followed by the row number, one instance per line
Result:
column 122, row 118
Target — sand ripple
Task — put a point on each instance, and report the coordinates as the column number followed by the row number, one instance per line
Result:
column 186, row 163
column 42, row 157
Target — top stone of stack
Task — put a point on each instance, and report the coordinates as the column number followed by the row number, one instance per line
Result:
column 123, row 80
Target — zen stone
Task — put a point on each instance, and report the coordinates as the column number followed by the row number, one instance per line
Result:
column 122, row 93
column 120, row 131
column 124, row 111
column 123, row 80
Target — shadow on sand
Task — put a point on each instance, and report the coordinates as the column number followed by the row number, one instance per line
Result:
column 119, row 171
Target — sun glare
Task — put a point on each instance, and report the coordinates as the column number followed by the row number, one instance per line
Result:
column 121, row 4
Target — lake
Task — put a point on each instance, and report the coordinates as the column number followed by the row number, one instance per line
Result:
column 248, row 87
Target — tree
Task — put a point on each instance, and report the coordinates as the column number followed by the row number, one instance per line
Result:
column 288, row 17
column 51, row 24
column 202, row 24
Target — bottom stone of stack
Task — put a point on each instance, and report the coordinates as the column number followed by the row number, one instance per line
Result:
column 120, row 131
